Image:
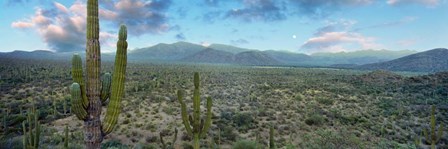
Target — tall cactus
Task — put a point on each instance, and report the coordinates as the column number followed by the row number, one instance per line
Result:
column 195, row 126
column 434, row 136
column 31, row 133
column 88, row 97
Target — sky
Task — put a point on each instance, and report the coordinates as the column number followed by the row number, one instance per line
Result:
column 303, row 26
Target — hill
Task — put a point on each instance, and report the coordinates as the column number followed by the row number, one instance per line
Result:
column 359, row 57
column 228, row 48
column 288, row 57
column 434, row 60
column 210, row 55
column 255, row 58
column 162, row 51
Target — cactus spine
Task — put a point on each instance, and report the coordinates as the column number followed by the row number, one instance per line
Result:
column 195, row 126
column 87, row 98
column 434, row 136
column 170, row 146
column 32, row 134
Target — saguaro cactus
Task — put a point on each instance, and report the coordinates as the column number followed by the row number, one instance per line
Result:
column 196, row 126
column 434, row 136
column 88, row 97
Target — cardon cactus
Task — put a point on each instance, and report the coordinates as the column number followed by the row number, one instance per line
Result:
column 88, row 96
column 194, row 125
column 435, row 135
column 31, row 133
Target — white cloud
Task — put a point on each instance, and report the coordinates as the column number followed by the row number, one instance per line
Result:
column 424, row 2
column 338, row 41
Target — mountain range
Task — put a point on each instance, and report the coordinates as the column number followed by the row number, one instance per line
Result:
column 406, row 60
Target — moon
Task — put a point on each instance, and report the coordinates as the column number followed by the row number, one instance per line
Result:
column 294, row 36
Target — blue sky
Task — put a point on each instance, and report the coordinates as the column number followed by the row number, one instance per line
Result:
column 305, row 26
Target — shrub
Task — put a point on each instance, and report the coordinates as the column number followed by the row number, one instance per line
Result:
column 244, row 144
column 315, row 119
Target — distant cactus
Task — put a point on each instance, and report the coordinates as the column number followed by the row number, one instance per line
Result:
column 88, row 97
column 194, row 125
column 271, row 138
column 171, row 145
column 66, row 137
column 433, row 137
column 31, row 133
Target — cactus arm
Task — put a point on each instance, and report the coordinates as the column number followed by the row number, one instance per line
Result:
column 24, row 139
column 114, row 107
column 105, row 87
column 36, row 129
column 184, row 112
column 175, row 137
column 77, row 77
column 440, row 132
column 77, row 108
column 161, row 141
column 208, row 120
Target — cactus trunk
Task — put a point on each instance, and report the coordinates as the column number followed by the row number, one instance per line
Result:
column 92, row 124
column 196, row 144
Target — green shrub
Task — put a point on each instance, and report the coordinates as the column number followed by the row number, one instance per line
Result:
column 315, row 119
column 244, row 144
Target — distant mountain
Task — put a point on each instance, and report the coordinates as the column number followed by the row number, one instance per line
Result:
column 288, row 57
column 359, row 57
column 434, row 60
column 210, row 55
column 255, row 58
column 38, row 54
column 228, row 48
column 162, row 51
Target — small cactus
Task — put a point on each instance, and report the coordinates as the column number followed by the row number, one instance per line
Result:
column 194, row 125
column 271, row 138
column 171, row 145
column 66, row 137
column 433, row 137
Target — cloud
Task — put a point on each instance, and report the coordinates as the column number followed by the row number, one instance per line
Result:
column 430, row 3
column 405, row 20
column 180, row 36
column 14, row 2
column 335, row 41
column 213, row 3
column 239, row 41
column 62, row 28
column 258, row 10
column 332, row 26
column 323, row 8
column 141, row 17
